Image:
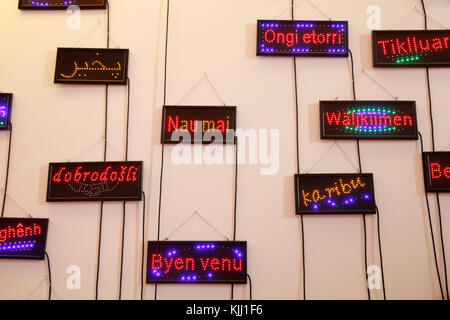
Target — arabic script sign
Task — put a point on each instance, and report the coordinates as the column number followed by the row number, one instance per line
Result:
column 95, row 66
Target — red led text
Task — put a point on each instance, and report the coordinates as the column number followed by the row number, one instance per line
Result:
column 299, row 37
column 19, row 231
column 408, row 45
column 356, row 120
column 439, row 172
column 166, row 265
column 125, row 174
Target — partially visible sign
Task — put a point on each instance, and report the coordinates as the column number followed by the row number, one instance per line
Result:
column 302, row 38
column 202, row 262
column 23, row 238
column 94, row 66
column 5, row 110
column 198, row 124
column 334, row 193
column 436, row 168
column 95, row 181
column 60, row 4
column 411, row 48
column 368, row 120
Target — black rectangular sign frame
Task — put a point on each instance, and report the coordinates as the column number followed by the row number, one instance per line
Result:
column 5, row 101
column 227, row 139
column 373, row 111
column 410, row 43
column 426, row 159
column 305, row 50
column 26, row 240
column 338, row 186
column 93, row 190
column 117, row 71
column 196, row 249
column 61, row 4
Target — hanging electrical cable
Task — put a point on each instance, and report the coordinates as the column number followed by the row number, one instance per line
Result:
column 297, row 131
column 163, row 130
column 105, row 149
column 49, row 276
column 235, row 199
column 431, row 231
column 5, row 190
column 124, row 203
column 364, row 215
column 430, row 105
column 143, row 245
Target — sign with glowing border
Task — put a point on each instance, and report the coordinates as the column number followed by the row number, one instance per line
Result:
column 60, row 4
column 197, row 262
column 5, row 110
column 368, row 120
column 23, row 238
column 436, row 168
column 411, row 48
column 198, row 124
column 302, row 38
column 334, row 193
column 91, row 66
column 95, row 181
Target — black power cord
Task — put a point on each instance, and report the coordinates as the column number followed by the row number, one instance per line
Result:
column 143, row 245
column 7, row 171
column 432, row 232
column 163, row 130
column 297, row 131
column 49, row 276
column 124, row 203
column 235, row 199
column 377, row 210
column 434, row 149
column 105, row 149
column 250, row 286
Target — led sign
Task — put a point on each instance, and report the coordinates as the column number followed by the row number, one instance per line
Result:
column 95, row 181
column 411, row 48
column 345, row 193
column 23, row 238
column 368, row 120
column 198, row 124
column 60, row 4
column 436, row 168
column 5, row 111
column 94, row 66
column 202, row 262
column 302, row 38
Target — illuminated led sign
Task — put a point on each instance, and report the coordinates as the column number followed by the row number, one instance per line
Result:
column 5, row 111
column 436, row 168
column 198, row 124
column 302, row 38
column 197, row 262
column 61, row 4
column 411, row 48
column 344, row 193
column 368, row 120
column 95, row 181
column 94, row 66
column 23, row 238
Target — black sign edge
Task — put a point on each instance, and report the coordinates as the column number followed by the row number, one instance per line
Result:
column 44, row 242
column 198, row 283
column 92, row 82
column 10, row 105
column 139, row 198
column 377, row 64
column 320, row 55
column 425, row 166
column 336, row 137
column 334, row 212
column 163, row 125
column 82, row 7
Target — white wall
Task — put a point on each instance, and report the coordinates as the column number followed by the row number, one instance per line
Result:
column 55, row 122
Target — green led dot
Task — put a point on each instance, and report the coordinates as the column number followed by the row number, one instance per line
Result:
column 2, row 123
